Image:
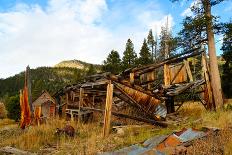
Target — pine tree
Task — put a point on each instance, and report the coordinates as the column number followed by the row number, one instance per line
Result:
column 151, row 44
column 129, row 56
column 227, row 56
column 145, row 55
column 203, row 16
column 167, row 43
column 112, row 63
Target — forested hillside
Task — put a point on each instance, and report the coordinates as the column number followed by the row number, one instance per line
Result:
column 77, row 64
column 46, row 78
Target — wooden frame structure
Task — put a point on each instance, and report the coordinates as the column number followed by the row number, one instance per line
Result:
column 143, row 88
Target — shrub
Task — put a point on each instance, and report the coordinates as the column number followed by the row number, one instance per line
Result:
column 13, row 107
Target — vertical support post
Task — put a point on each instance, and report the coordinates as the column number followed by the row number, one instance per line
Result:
column 72, row 118
column 169, row 102
column 66, row 106
column 188, row 70
column 93, row 100
column 167, row 78
column 207, row 81
column 80, row 104
column 107, row 116
column 132, row 78
column 67, row 98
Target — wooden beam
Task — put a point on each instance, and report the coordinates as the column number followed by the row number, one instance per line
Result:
column 177, row 73
column 167, row 78
column 135, row 87
column 188, row 70
column 132, row 78
column 80, row 104
column 136, row 69
column 207, row 80
column 154, row 122
column 151, row 67
column 67, row 97
column 108, row 107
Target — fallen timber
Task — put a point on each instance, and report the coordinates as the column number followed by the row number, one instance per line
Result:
column 146, row 88
column 150, row 121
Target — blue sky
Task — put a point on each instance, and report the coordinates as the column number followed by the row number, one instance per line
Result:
column 45, row 32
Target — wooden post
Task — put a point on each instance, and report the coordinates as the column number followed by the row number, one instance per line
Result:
column 93, row 100
column 67, row 98
column 107, row 116
column 169, row 102
column 188, row 70
column 80, row 104
column 167, row 78
column 207, row 81
column 132, row 78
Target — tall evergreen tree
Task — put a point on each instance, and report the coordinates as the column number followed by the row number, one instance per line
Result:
column 112, row 63
column 129, row 58
column 151, row 44
column 145, row 55
column 202, row 15
column 227, row 55
column 167, row 43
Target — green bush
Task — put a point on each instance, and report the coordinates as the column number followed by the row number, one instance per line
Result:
column 13, row 107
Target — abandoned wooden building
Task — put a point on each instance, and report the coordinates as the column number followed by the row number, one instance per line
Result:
column 45, row 104
column 150, row 91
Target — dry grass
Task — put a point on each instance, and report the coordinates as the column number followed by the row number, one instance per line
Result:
column 5, row 122
column 216, row 144
column 3, row 112
column 89, row 140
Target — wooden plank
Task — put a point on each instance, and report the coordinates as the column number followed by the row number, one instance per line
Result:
column 135, row 87
column 132, row 78
column 188, row 70
column 80, row 104
column 167, row 78
column 108, row 107
column 67, row 98
column 151, row 121
column 151, row 67
column 169, row 60
column 173, row 79
column 207, row 80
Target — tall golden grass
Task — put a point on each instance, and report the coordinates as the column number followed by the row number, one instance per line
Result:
column 3, row 112
column 89, row 140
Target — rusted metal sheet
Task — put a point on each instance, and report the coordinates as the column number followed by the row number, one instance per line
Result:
column 174, row 143
column 147, row 103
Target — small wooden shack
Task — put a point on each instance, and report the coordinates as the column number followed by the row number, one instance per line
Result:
column 46, row 103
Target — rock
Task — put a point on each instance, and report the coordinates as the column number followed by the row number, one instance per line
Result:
column 7, row 150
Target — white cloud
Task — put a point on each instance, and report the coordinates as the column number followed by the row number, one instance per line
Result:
column 66, row 29
column 164, row 21
column 188, row 12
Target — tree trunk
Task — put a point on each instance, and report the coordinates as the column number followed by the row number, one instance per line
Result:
column 214, row 71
